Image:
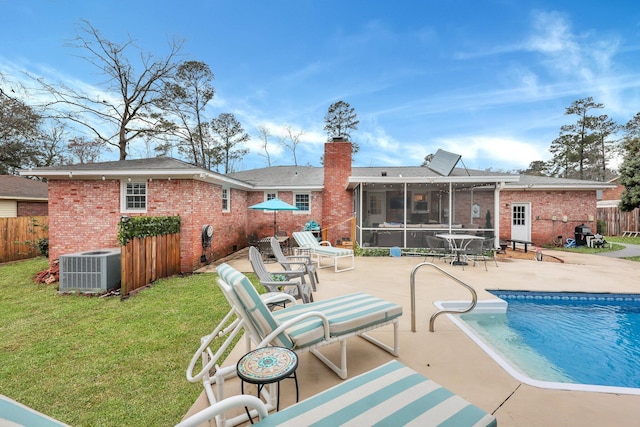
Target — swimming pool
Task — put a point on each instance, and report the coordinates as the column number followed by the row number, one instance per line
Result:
column 573, row 341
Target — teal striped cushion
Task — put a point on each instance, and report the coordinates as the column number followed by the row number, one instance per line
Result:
column 346, row 314
column 332, row 251
column 390, row 395
column 257, row 311
column 305, row 239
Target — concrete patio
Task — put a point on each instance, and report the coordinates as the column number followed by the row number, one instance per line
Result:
column 447, row 355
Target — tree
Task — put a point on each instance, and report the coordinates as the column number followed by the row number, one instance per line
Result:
column 84, row 150
column 264, row 134
column 427, row 160
column 340, row 120
column 291, row 140
column 228, row 134
column 185, row 98
column 129, row 109
column 603, row 128
column 538, row 168
column 630, row 167
column 563, row 163
column 19, row 131
column 585, row 143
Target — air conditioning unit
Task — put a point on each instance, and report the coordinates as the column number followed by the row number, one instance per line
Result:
column 93, row 271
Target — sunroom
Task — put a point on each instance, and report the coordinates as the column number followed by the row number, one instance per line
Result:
column 401, row 206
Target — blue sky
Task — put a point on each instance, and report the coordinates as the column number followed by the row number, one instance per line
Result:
column 489, row 80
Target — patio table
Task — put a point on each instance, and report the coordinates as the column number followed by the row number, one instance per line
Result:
column 459, row 243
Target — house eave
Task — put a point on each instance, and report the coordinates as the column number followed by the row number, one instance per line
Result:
column 103, row 174
column 25, row 199
column 355, row 181
column 573, row 187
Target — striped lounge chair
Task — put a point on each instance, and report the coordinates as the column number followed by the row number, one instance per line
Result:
column 390, row 395
column 306, row 327
column 319, row 250
column 300, row 327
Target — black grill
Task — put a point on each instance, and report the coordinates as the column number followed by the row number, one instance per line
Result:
column 581, row 233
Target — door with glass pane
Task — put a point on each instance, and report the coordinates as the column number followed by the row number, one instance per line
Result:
column 376, row 207
column 521, row 221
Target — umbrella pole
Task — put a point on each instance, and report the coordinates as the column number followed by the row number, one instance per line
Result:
column 274, row 222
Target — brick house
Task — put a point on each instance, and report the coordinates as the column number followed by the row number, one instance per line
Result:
column 22, row 197
column 392, row 206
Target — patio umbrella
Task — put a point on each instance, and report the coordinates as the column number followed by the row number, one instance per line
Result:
column 274, row 205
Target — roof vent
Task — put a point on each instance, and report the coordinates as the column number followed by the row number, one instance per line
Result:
column 383, row 173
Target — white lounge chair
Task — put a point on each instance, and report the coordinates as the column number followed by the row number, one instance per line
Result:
column 300, row 327
column 390, row 395
column 323, row 249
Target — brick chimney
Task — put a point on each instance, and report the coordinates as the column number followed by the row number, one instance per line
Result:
column 337, row 204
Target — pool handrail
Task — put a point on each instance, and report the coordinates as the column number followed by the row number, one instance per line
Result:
column 474, row 296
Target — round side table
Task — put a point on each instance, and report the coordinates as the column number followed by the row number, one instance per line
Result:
column 268, row 365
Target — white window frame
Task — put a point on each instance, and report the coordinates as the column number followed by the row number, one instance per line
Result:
column 124, row 196
column 270, row 193
column 301, row 211
column 226, row 191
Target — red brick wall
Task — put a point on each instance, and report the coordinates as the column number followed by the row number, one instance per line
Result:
column 337, row 201
column 613, row 193
column 32, row 208
column 261, row 222
column 579, row 207
column 84, row 215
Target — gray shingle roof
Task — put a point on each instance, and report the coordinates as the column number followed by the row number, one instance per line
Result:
column 23, row 188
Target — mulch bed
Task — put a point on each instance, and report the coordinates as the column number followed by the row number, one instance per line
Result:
column 529, row 255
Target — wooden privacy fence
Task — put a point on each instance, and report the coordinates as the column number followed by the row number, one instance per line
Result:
column 617, row 222
column 146, row 259
column 26, row 230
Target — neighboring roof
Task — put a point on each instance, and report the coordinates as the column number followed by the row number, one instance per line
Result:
column 156, row 167
column 19, row 188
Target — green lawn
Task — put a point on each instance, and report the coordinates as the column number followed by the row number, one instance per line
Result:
column 102, row 361
column 611, row 239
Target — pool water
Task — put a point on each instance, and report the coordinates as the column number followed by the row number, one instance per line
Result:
column 578, row 338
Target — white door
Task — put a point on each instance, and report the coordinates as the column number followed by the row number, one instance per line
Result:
column 376, row 207
column 521, row 221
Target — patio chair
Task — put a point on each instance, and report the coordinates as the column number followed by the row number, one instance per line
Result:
column 391, row 394
column 295, row 262
column 323, row 249
column 474, row 251
column 299, row 289
column 489, row 246
column 437, row 247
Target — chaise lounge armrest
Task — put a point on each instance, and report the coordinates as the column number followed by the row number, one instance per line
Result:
column 293, row 322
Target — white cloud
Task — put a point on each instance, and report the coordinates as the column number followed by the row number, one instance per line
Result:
column 499, row 152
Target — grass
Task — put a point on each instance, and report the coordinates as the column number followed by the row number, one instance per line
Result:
column 102, row 361
column 615, row 247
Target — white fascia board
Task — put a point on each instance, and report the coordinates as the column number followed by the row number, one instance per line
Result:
column 299, row 188
column 98, row 174
column 26, row 199
column 558, row 186
column 431, row 179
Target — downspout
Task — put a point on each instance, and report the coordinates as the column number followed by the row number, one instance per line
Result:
column 360, row 213
column 450, row 206
column 496, row 213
